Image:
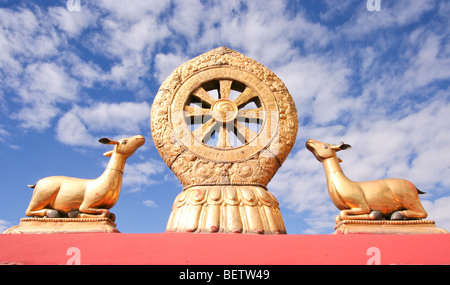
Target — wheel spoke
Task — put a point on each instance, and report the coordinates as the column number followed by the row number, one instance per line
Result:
column 204, row 96
column 245, row 97
column 205, row 130
column 225, row 88
column 196, row 112
column 215, row 130
column 244, row 132
column 224, row 137
column 257, row 113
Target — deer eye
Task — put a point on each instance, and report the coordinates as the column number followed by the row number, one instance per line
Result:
column 325, row 146
column 124, row 142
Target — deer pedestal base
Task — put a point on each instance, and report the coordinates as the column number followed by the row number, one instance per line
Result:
column 388, row 227
column 63, row 225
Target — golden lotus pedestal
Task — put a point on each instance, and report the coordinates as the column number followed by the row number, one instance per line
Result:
column 388, row 227
column 226, row 209
column 63, row 225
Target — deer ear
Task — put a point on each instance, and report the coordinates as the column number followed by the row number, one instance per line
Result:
column 344, row 146
column 340, row 146
column 108, row 153
column 104, row 140
column 107, row 141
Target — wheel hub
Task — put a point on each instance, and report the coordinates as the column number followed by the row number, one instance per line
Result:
column 224, row 110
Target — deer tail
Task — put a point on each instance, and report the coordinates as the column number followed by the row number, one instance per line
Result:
column 32, row 186
column 420, row 192
column 414, row 187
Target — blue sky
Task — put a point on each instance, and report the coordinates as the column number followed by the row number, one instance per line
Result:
column 378, row 80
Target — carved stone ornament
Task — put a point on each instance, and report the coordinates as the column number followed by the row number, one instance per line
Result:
column 224, row 124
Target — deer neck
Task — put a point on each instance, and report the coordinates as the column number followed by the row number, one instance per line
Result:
column 336, row 180
column 331, row 165
column 116, row 164
column 109, row 184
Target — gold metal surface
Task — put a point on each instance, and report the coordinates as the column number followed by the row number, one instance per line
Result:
column 224, row 123
column 388, row 227
column 63, row 225
column 57, row 196
column 243, row 126
column 394, row 199
column 226, row 208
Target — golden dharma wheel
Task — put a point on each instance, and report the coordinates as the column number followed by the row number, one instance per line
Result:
column 224, row 124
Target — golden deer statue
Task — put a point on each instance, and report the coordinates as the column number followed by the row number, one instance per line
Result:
column 372, row 200
column 85, row 198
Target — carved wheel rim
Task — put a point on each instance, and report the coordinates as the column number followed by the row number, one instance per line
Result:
column 224, row 114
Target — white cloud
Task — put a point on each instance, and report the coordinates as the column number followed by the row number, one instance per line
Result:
column 246, row 27
column 140, row 175
column 44, row 85
column 131, row 27
column 135, row 29
column 87, row 74
column 71, row 130
column 132, row 9
column 27, row 41
column 321, row 83
column 4, row 225
column 73, row 23
column 27, row 34
column 37, row 117
column 149, row 203
column 78, row 126
column 127, row 117
column 166, row 63
column 430, row 63
column 438, row 211
column 335, row 9
column 47, row 82
column 3, row 133
column 188, row 17
column 392, row 15
column 6, row 138
column 406, row 12
column 131, row 37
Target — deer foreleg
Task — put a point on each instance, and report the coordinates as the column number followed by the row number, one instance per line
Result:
column 50, row 213
column 355, row 214
column 86, row 212
column 408, row 214
column 362, row 213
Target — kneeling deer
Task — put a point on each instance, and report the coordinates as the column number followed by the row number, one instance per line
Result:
column 77, row 197
column 397, row 198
